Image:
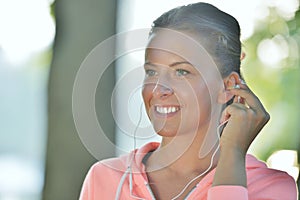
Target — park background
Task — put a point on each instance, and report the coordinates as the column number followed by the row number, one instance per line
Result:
column 44, row 42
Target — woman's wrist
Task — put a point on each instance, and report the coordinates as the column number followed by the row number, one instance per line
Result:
column 231, row 168
column 233, row 150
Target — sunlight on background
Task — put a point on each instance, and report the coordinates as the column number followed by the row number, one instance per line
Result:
column 26, row 28
column 26, row 35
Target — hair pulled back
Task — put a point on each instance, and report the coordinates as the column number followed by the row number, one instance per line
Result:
column 219, row 31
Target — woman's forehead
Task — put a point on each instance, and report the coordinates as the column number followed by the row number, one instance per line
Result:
column 173, row 46
column 179, row 43
column 154, row 55
column 172, row 40
column 160, row 48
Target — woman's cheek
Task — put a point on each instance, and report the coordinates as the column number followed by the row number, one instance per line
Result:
column 147, row 94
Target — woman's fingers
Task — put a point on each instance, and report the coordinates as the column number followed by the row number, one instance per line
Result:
column 247, row 97
column 251, row 101
column 246, row 117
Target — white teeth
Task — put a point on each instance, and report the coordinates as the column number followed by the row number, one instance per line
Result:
column 166, row 110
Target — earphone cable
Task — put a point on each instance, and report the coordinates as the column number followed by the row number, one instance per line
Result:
column 209, row 167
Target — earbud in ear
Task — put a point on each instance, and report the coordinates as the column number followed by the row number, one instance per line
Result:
column 238, row 97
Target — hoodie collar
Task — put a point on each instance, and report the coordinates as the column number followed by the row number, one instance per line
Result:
column 139, row 155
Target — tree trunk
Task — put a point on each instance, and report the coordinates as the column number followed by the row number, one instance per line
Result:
column 81, row 25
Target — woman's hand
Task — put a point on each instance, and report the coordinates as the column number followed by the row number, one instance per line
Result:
column 246, row 117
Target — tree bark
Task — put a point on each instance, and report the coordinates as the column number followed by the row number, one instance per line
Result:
column 81, row 25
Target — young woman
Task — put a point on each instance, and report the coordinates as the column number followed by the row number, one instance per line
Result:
column 207, row 116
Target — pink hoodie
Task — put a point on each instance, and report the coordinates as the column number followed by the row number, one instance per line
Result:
column 110, row 178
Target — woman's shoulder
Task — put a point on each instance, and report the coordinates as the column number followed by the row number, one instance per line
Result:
column 104, row 174
column 264, row 181
column 121, row 163
column 256, row 166
column 258, row 169
column 111, row 164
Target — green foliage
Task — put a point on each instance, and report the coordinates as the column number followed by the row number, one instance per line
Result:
column 52, row 9
column 276, row 85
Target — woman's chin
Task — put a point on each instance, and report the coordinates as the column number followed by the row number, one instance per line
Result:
column 165, row 131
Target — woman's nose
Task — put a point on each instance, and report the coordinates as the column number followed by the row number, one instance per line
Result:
column 162, row 90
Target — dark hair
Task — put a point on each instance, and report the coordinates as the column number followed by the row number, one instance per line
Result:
column 219, row 31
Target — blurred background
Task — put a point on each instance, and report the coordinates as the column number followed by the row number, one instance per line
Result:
column 44, row 42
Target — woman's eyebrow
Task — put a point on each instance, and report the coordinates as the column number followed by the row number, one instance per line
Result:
column 149, row 63
column 179, row 63
column 171, row 65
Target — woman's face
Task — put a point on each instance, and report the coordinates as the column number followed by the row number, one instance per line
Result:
column 176, row 93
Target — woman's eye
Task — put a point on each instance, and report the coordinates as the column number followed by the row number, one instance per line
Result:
column 181, row 72
column 150, row 72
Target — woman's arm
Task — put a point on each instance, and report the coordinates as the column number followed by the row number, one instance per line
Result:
column 245, row 120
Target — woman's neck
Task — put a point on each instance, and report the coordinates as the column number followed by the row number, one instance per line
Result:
column 191, row 152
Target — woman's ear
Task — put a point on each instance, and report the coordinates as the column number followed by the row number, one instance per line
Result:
column 230, row 82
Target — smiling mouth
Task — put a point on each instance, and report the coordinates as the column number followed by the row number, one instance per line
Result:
column 165, row 110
